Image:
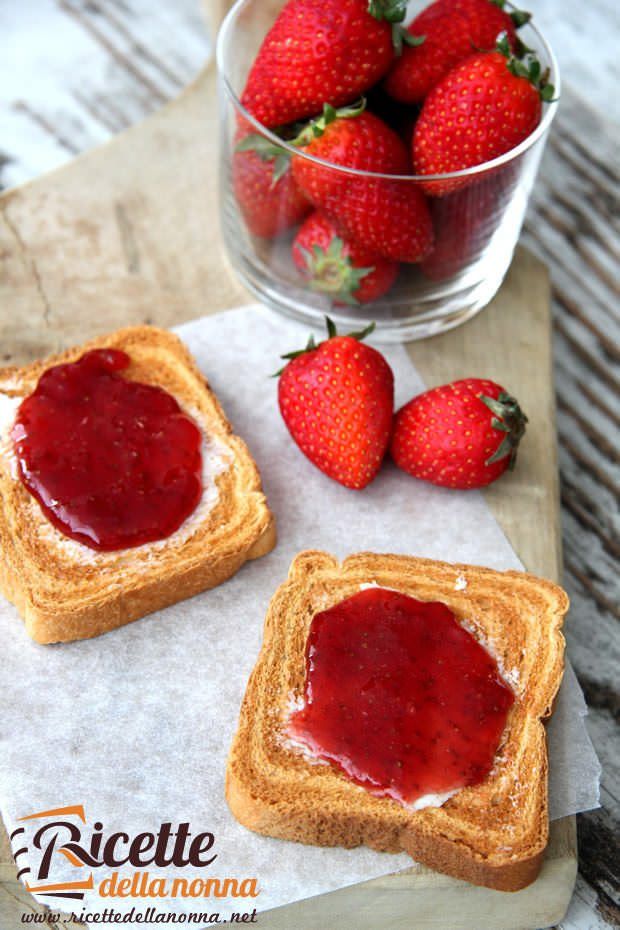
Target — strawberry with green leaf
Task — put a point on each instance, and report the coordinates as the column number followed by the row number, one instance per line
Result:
column 449, row 31
column 349, row 136
column 337, row 399
column 267, row 194
column 344, row 271
column 486, row 106
column 388, row 217
column 460, row 435
column 321, row 50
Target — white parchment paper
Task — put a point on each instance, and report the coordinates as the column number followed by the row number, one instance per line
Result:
column 136, row 725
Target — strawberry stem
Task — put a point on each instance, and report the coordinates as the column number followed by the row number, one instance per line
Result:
column 509, row 419
column 316, row 127
column 407, row 37
column 266, row 151
column 332, row 332
column 519, row 17
column 394, row 12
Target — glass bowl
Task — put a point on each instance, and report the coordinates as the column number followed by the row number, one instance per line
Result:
column 476, row 226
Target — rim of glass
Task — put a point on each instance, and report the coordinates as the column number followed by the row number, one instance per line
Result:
column 547, row 118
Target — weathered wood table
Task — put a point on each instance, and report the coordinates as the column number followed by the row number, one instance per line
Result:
column 573, row 225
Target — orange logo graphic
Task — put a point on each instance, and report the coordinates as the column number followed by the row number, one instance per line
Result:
column 45, row 839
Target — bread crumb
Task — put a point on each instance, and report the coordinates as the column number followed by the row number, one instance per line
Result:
column 461, row 583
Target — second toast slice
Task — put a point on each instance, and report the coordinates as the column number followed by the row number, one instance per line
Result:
column 493, row 833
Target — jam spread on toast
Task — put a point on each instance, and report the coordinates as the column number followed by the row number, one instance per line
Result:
column 114, row 463
column 400, row 697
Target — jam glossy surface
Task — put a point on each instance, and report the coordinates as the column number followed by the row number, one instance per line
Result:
column 400, row 697
column 113, row 463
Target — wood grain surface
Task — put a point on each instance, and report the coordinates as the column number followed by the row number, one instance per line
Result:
column 131, row 57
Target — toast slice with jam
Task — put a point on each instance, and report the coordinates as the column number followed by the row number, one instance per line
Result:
column 66, row 590
column 490, row 830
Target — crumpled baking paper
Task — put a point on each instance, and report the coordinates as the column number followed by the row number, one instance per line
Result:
column 136, row 725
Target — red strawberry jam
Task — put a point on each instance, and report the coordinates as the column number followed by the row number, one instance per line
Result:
column 400, row 697
column 113, row 463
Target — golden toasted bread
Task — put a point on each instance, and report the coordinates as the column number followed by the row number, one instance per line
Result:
column 63, row 589
column 493, row 833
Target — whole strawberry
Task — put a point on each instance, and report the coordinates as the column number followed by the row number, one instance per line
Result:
column 265, row 190
column 484, row 107
column 321, row 50
column 345, row 271
column 351, row 137
column 452, row 30
column 461, row 435
column 337, row 400
column 388, row 217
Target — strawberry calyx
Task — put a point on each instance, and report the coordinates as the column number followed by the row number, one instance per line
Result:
column 302, row 134
column 508, row 418
column 332, row 272
column 519, row 17
column 315, row 128
column 394, row 12
column 408, row 38
column 332, row 332
column 528, row 67
column 266, row 151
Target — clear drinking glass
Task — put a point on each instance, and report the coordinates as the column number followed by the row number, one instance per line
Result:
column 476, row 227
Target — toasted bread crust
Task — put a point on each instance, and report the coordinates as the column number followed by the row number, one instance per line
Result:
column 492, row 834
column 63, row 590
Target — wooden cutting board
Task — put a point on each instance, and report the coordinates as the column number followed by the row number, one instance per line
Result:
column 128, row 233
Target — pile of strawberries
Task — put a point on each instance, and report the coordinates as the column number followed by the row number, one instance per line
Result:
column 345, row 82
column 337, row 400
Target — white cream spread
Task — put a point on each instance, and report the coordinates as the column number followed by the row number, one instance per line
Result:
column 365, row 585
column 510, row 676
column 432, row 800
column 8, row 410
